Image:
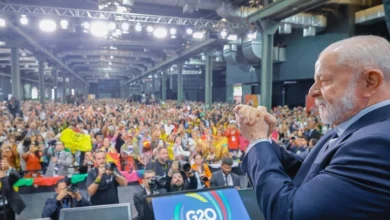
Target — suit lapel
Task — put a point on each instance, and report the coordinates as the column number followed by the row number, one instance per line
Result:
column 323, row 157
column 308, row 162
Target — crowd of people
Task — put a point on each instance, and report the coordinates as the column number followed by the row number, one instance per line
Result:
column 180, row 147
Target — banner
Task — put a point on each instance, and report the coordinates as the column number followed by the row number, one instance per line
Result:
column 114, row 158
column 253, row 100
column 76, row 141
column 223, row 204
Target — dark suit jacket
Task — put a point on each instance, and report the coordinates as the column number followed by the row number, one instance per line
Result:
column 145, row 211
column 218, row 179
column 14, row 200
column 314, row 134
column 350, row 180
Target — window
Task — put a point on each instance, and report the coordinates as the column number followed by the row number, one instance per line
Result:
column 34, row 93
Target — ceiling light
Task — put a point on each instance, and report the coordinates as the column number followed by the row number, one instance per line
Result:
column 47, row 25
column 149, row 29
column 85, row 25
column 189, row 31
column 99, row 29
column 252, row 36
column 109, row 63
column 232, row 37
column 223, row 34
column 198, row 35
column 138, row 27
column 173, row 36
column 125, row 26
column 173, row 31
column 111, row 57
column 64, row 24
column 24, row 20
column 160, row 33
column 112, row 26
column 2, row 22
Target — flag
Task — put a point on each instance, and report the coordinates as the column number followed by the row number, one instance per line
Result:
column 114, row 157
column 76, row 141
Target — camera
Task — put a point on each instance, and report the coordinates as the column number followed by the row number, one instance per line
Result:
column 72, row 188
column 184, row 166
column 156, row 183
column 110, row 166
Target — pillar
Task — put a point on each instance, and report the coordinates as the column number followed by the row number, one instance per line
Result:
column 15, row 71
column 268, row 28
column 209, row 81
column 180, row 83
column 164, row 86
column 63, row 88
column 54, row 73
column 41, row 81
column 153, row 83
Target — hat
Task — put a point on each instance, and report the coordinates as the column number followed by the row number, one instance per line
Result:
column 232, row 122
column 146, row 144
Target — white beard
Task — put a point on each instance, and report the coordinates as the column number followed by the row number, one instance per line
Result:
column 330, row 114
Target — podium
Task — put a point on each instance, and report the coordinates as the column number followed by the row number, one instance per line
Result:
column 120, row 211
column 207, row 204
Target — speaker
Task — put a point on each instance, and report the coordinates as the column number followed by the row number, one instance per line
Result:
column 386, row 5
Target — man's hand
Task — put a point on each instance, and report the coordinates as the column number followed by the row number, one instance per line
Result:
column 4, row 164
column 54, row 159
column 254, row 123
column 102, row 170
column 62, row 194
column 175, row 166
column 75, row 195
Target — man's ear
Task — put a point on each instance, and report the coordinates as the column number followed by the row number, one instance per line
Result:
column 373, row 80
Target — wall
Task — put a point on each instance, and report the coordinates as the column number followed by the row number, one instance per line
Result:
column 105, row 89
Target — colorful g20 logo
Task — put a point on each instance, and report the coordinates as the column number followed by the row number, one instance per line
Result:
column 211, row 205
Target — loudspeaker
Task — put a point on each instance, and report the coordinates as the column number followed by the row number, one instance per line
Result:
column 386, row 4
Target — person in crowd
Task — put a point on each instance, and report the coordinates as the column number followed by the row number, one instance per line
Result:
column 346, row 175
column 60, row 161
column 225, row 177
column 312, row 131
column 102, row 182
column 10, row 201
column 32, row 158
column 161, row 165
column 65, row 197
column 203, row 170
column 178, row 180
column 143, row 209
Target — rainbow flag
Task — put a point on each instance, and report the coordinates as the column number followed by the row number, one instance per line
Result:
column 114, row 157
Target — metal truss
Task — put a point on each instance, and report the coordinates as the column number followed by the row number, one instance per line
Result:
column 107, row 15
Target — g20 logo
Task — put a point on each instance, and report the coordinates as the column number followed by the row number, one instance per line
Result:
column 207, row 214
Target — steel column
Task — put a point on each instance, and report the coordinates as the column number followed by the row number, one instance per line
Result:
column 54, row 73
column 63, row 88
column 153, row 83
column 268, row 28
column 16, row 83
column 164, row 85
column 209, row 81
column 179, row 84
column 41, row 82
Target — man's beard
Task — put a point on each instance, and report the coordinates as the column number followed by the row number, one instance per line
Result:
column 331, row 113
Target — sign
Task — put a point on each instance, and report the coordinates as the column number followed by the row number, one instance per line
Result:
column 222, row 204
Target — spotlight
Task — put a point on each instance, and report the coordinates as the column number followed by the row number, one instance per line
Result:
column 173, row 31
column 64, row 24
column 223, row 34
column 189, row 31
column 138, row 27
column 99, row 29
column 85, row 25
column 149, row 29
column 2, row 22
column 160, row 33
column 232, row 37
column 112, row 26
column 125, row 26
column 198, row 35
column 24, row 20
column 47, row 25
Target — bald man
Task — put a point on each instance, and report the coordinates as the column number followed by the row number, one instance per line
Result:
column 347, row 174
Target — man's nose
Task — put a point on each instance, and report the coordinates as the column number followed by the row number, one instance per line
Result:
column 314, row 90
